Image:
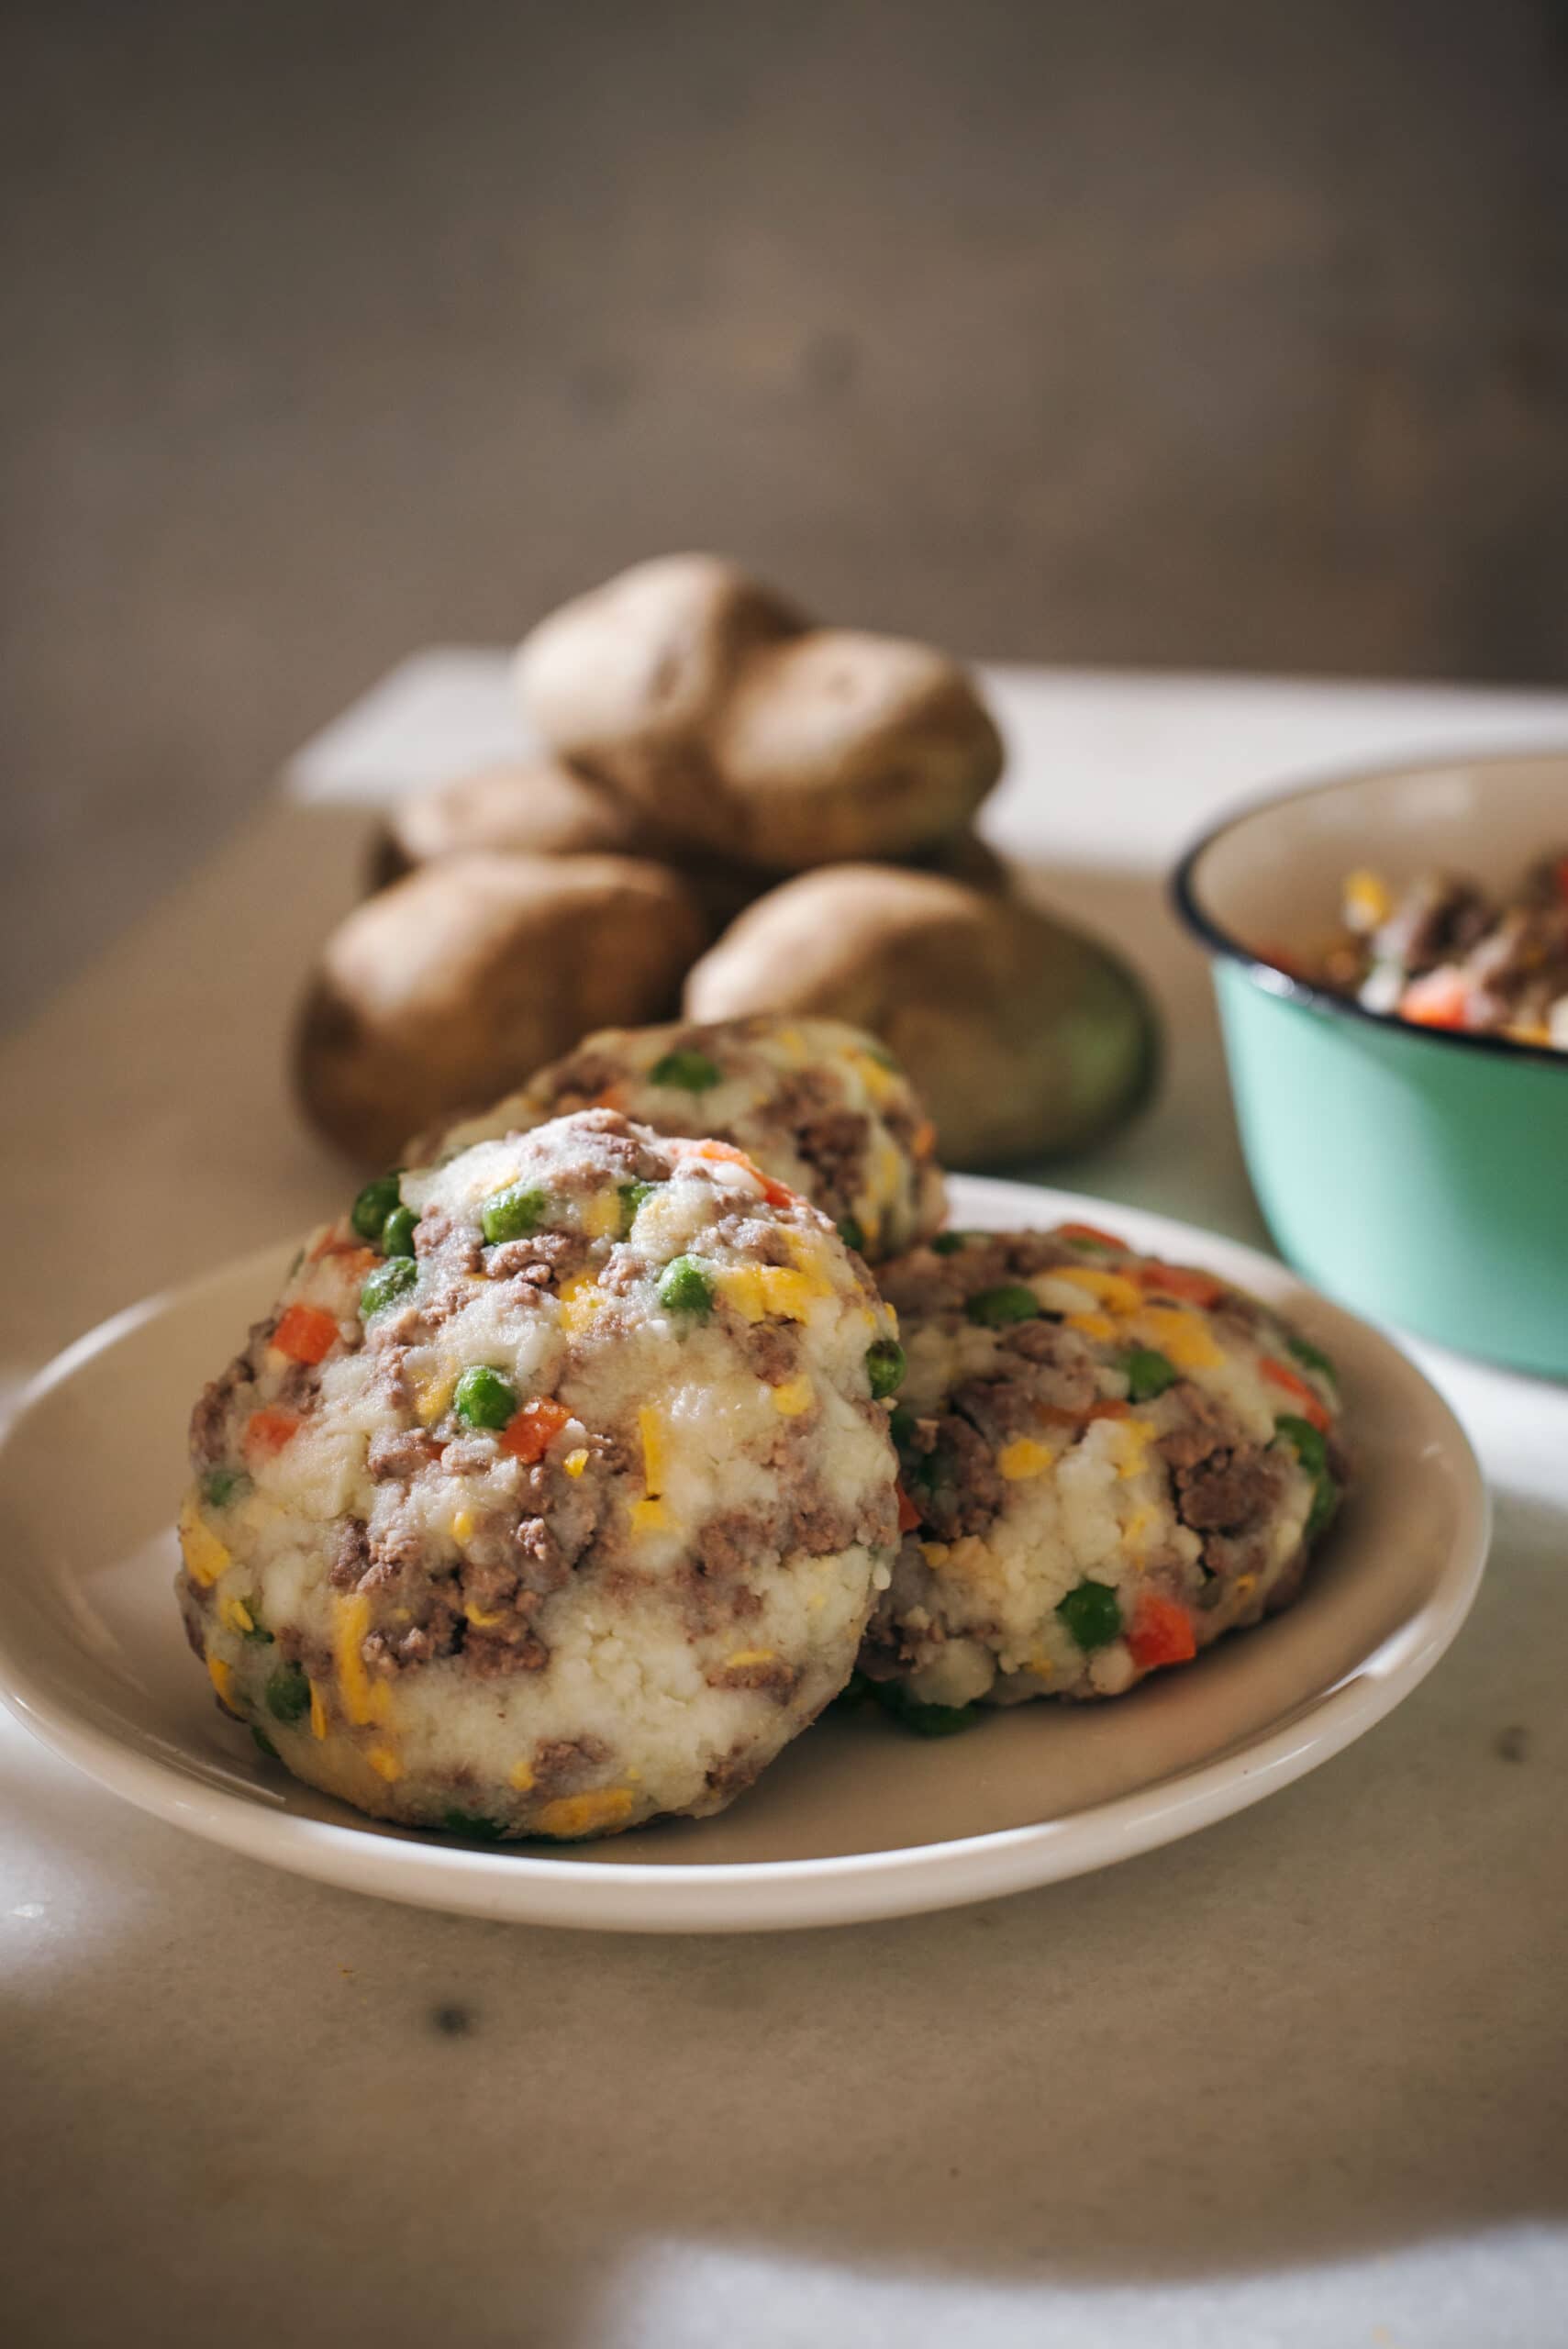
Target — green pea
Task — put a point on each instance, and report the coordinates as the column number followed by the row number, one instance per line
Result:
column 884, row 1058
column 1148, row 1374
column 1306, row 1441
column 997, row 1309
column 939, row 1720
column 222, row 1486
column 387, row 1284
column 948, row 1243
column 934, row 1467
column 925, row 1720
column 288, row 1693
column 473, row 1824
column 852, row 1235
column 397, row 1232
column 1312, row 1357
column 901, row 1427
column 691, row 1072
column 374, row 1204
column 1093, row 1614
column 484, row 1398
column 885, row 1367
column 1325, row 1504
column 514, row 1213
column 631, row 1195
column 264, row 1743
column 684, row 1288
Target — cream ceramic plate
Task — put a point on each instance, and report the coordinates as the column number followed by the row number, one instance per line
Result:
column 858, row 1819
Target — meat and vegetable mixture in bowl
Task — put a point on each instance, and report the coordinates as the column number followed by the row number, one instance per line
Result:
column 1401, row 1084
column 1442, row 952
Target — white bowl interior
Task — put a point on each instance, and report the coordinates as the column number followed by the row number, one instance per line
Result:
column 1273, row 878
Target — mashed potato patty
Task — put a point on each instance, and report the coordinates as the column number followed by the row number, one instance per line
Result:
column 554, row 1491
column 814, row 1102
column 1107, row 1461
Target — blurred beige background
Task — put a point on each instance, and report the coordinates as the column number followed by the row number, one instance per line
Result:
column 1223, row 334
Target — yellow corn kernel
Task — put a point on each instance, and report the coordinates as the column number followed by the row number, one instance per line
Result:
column 575, row 1461
column 431, row 1400
column 740, row 1286
column 580, row 1301
column 206, row 1557
column 1092, row 1325
column 795, row 1396
column 936, row 1554
column 602, row 1215
column 318, row 1712
column 463, row 1525
column 1243, row 1584
column 364, row 1699
column 1024, row 1458
column 483, row 1617
column 583, row 1814
column 236, row 1615
column 521, row 1777
column 385, row 1762
column 1114, row 1290
column 812, row 1258
column 650, row 1517
column 1130, row 1440
column 651, row 1427
column 1183, row 1337
column 744, row 1658
column 1367, row 901
column 879, row 1082
column 1041, row 1664
column 222, row 1677
column 788, row 1291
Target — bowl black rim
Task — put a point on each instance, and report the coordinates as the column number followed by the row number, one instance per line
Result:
column 1284, row 985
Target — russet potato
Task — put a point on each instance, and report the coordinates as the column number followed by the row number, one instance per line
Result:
column 1024, row 1038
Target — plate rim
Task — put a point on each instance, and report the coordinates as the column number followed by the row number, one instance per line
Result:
column 838, row 1889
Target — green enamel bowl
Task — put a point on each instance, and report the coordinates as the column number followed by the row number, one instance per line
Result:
column 1419, row 1176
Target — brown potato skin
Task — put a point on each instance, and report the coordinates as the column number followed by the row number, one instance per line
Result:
column 454, row 985
column 544, row 808
column 635, row 670
column 536, row 807
column 1024, row 1038
column 839, row 745
column 711, row 704
column 966, row 857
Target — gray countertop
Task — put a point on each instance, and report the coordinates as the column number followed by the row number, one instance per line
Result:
column 1299, row 2080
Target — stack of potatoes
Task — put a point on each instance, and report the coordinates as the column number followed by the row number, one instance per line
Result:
column 739, row 812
